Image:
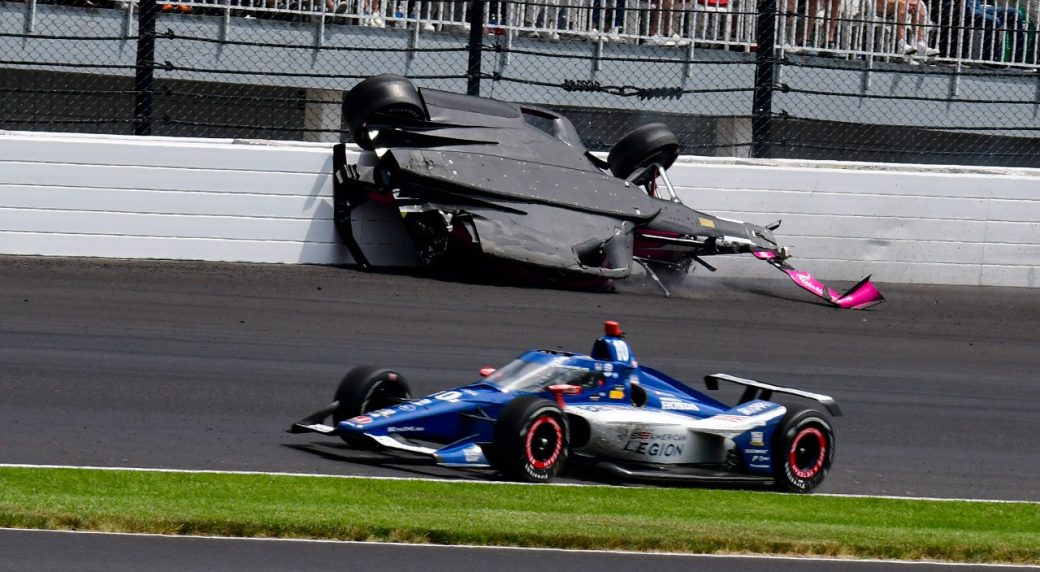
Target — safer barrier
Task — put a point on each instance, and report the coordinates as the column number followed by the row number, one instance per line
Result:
column 228, row 200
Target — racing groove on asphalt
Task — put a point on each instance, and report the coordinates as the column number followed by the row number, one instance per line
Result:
column 203, row 366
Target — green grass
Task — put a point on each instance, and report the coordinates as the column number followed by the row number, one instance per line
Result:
column 650, row 519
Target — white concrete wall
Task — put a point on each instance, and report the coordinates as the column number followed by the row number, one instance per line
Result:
column 122, row 197
column 902, row 223
column 128, row 197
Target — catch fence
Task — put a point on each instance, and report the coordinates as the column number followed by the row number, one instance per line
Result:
column 946, row 81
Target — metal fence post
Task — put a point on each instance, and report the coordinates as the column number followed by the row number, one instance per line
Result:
column 476, row 40
column 30, row 16
column 765, row 74
column 143, row 79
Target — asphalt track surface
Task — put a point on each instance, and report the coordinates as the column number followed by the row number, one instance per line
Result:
column 46, row 550
column 202, row 366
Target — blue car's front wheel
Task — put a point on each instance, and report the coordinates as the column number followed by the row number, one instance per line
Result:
column 367, row 388
column 530, row 442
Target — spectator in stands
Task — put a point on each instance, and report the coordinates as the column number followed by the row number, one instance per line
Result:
column 1032, row 24
column 163, row 6
column 831, row 15
column 912, row 13
column 372, row 14
column 996, row 18
column 805, row 34
column 613, row 30
column 543, row 13
column 660, row 24
column 972, row 29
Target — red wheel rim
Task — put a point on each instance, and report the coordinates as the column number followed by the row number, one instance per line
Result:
column 544, row 442
column 808, row 452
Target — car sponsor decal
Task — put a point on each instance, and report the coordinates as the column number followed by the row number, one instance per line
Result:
column 757, row 439
column 807, row 282
column 472, row 453
column 676, row 405
column 406, row 407
column 649, row 435
column 361, row 420
column 756, row 407
column 706, row 222
column 405, row 429
column 596, row 408
column 655, row 444
column 617, row 394
column 621, row 349
column 449, row 396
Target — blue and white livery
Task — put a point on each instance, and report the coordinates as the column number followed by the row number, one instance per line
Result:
column 603, row 410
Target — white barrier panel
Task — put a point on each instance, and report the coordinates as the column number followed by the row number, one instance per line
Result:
column 902, row 223
column 223, row 200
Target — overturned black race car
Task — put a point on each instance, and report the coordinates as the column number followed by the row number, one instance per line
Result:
column 481, row 179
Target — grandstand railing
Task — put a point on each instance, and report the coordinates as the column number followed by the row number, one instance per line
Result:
column 963, row 32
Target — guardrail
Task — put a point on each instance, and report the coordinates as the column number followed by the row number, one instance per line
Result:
column 960, row 32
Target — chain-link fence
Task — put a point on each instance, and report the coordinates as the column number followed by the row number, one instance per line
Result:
column 941, row 81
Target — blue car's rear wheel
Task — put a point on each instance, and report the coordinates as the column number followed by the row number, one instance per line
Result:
column 803, row 449
column 530, row 442
column 367, row 388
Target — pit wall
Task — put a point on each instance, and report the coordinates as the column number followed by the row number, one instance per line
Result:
column 224, row 200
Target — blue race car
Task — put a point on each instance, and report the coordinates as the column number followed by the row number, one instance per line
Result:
column 603, row 410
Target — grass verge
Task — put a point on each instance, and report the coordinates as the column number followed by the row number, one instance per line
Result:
column 646, row 519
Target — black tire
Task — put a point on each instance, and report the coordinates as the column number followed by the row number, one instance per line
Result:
column 651, row 143
column 803, row 449
column 530, row 441
column 367, row 388
column 388, row 95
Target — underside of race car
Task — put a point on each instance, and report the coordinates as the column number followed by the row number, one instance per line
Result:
column 477, row 180
column 603, row 410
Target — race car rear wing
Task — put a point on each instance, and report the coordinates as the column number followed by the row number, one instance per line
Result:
column 758, row 390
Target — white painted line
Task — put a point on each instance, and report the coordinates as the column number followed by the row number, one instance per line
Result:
column 535, row 549
column 310, row 475
column 464, row 481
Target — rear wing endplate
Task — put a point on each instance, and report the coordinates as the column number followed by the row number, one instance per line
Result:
column 758, row 390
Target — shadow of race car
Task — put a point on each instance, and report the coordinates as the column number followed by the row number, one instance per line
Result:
column 604, row 411
column 476, row 179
